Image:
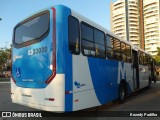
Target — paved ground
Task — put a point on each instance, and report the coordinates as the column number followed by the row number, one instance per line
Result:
column 145, row 100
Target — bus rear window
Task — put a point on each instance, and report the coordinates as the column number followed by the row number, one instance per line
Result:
column 32, row 29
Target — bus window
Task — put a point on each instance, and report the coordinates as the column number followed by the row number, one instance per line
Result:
column 128, row 53
column 109, row 47
column 123, row 50
column 31, row 30
column 87, row 40
column 145, row 59
column 99, row 43
column 109, row 41
column 73, row 34
column 141, row 57
column 117, row 49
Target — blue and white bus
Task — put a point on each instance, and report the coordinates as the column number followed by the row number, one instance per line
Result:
column 61, row 61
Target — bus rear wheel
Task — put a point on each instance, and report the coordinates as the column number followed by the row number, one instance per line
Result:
column 154, row 79
column 149, row 82
column 122, row 93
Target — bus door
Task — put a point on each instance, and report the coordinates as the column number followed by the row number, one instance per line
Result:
column 152, row 71
column 135, row 69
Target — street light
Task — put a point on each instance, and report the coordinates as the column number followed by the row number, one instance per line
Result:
column 0, row 19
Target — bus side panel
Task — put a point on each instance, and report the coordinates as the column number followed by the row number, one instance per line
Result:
column 104, row 75
column 84, row 95
column 125, row 72
column 143, row 76
column 64, row 58
column 96, row 81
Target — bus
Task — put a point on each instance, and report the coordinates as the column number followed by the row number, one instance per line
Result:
column 62, row 61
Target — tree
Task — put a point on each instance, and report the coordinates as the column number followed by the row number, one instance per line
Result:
column 157, row 57
column 5, row 59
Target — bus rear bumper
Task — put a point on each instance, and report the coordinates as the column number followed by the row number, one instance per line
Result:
column 50, row 98
column 38, row 106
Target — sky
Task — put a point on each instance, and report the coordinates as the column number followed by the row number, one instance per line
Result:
column 14, row 11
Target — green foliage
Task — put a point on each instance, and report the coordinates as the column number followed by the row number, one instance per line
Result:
column 5, row 59
column 158, row 54
column 157, row 57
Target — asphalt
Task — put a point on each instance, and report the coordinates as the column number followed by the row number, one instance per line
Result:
column 146, row 100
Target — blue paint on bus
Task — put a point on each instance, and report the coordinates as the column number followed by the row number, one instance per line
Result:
column 64, row 58
column 102, row 78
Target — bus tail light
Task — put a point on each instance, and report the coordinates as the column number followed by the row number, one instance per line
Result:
column 11, row 71
column 76, row 100
column 49, row 99
column 13, row 79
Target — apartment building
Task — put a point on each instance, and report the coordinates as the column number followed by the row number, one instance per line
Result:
column 137, row 21
column 125, row 20
column 151, row 15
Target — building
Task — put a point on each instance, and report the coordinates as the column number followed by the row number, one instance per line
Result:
column 137, row 21
column 125, row 20
column 151, row 25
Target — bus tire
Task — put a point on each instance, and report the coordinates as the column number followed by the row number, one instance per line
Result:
column 149, row 83
column 154, row 79
column 122, row 92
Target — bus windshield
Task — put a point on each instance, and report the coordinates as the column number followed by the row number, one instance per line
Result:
column 32, row 29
